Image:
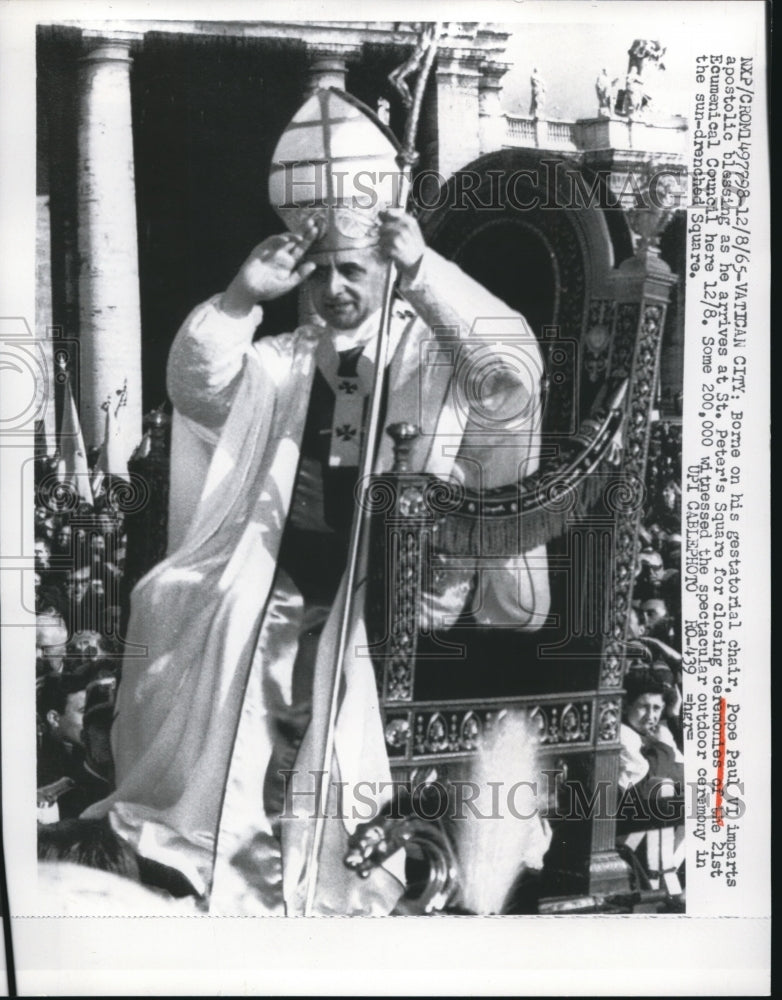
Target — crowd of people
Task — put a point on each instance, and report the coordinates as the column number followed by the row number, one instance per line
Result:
column 79, row 559
column 79, row 562
column 651, row 734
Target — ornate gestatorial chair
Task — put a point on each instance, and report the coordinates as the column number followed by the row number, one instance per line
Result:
column 596, row 296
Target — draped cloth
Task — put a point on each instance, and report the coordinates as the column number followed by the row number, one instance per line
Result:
column 199, row 712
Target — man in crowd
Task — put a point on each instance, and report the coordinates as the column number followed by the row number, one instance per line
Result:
column 228, row 711
column 60, row 708
column 51, row 637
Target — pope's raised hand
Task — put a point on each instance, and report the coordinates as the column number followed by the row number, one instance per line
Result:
column 274, row 267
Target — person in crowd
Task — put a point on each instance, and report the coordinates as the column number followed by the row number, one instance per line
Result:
column 650, row 761
column 634, row 627
column 51, row 637
column 63, row 540
column 87, row 601
column 68, row 846
column 45, row 523
column 670, row 513
column 88, row 644
column 51, row 595
column 672, row 696
column 97, row 779
column 650, row 575
column 75, row 712
column 78, row 584
column 43, row 553
column 90, row 843
column 657, row 620
column 60, row 702
column 672, row 550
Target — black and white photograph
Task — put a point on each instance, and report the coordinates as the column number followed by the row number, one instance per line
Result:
column 386, row 433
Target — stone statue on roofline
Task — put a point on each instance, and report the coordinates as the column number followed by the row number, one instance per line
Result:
column 643, row 55
column 605, row 88
column 537, row 105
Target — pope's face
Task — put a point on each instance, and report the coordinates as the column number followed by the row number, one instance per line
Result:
column 643, row 715
column 347, row 286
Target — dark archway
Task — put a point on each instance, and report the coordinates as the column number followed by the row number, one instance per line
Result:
column 516, row 221
column 513, row 261
column 545, row 235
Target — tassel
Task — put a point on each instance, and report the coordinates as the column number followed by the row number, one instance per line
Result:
column 509, row 522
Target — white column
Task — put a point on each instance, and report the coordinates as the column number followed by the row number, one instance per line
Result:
column 493, row 126
column 458, row 120
column 43, row 311
column 109, row 306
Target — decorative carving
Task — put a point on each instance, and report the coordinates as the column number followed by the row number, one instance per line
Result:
column 612, row 666
column 470, row 731
column 397, row 733
column 596, row 357
column 650, row 317
column 572, row 725
column 597, row 341
column 372, row 843
column 658, row 197
column 608, row 721
column 437, row 737
column 624, row 339
column 664, row 464
column 461, row 730
column 411, row 502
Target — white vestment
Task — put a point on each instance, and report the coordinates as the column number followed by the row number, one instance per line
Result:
column 211, row 636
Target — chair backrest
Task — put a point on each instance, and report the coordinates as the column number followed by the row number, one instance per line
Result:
column 600, row 327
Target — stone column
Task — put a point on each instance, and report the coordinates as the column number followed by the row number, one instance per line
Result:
column 492, row 124
column 109, row 301
column 43, row 313
column 458, row 114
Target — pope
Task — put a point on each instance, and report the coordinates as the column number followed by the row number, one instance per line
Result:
column 222, row 709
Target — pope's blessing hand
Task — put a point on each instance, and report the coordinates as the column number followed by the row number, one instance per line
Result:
column 274, row 268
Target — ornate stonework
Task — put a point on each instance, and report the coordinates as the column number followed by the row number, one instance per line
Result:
column 459, row 730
